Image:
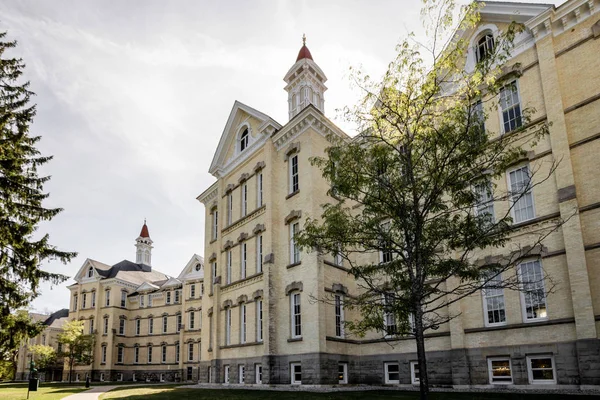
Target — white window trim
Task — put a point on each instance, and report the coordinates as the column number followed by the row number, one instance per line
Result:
column 291, row 172
column 241, row 374
column 501, row 118
column 510, row 197
column 293, row 246
column 341, row 314
column 243, row 320
column 522, row 294
column 259, row 189
column 103, row 354
column 386, row 373
column 258, row 374
column 215, row 224
column 229, row 208
column 490, row 371
column 244, row 260
column 343, row 381
column 293, row 380
column 228, row 326
column 229, row 256
column 293, row 315
column 244, row 198
column 259, row 254
column 136, row 355
column 190, row 351
column 259, row 320
column 485, row 309
column 226, row 374
column 413, row 378
column 530, row 372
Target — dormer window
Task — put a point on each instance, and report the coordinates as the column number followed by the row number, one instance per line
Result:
column 244, row 140
column 90, row 272
column 485, row 46
column 198, row 267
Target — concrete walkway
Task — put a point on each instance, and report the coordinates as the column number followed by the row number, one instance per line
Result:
column 91, row 394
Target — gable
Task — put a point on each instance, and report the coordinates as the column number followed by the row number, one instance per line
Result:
column 228, row 154
column 99, row 270
column 190, row 271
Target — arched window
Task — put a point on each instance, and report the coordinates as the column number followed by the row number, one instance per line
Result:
column 244, row 140
column 485, row 46
column 90, row 273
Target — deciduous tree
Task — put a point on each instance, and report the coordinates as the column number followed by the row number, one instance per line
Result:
column 77, row 348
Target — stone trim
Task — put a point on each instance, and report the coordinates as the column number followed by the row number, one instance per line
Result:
column 591, row 246
column 385, row 340
column 294, row 286
column 293, row 265
column 227, row 304
column 334, row 265
column 241, row 280
column 258, row 294
column 229, row 188
column 298, row 339
column 243, row 236
column 269, row 259
column 582, row 103
column 242, row 299
column 596, row 30
column 558, row 321
column 247, row 217
column 259, row 166
column 339, row 288
column 247, row 344
column 536, row 220
column 533, row 156
column 259, row 228
column 293, row 148
column 584, row 141
column 243, row 178
column 589, row 207
column 294, row 214
column 228, row 245
column 212, row 257
column 567, row 193
column 292, row 194
column 210, row 312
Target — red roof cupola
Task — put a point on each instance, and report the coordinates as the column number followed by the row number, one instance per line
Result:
column 304, row 52
column 144, row 233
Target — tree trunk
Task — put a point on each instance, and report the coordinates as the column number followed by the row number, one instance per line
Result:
column 420, row 339
column 71, row 369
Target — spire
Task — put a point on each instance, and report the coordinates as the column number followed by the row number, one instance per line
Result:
column 143, row 246
column 144, row 233
column 304, row 52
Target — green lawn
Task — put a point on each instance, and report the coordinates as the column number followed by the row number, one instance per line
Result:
column 171, row 392
column 50, row 391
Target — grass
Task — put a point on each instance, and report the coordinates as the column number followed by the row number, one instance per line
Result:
column 172, row 392
column 50, row 391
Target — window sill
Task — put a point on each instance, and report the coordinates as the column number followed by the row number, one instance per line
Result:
column 289, row 196
column 294, row 264
column 334, row 265
column 559, row 321
column 247, row 344
column 212, row 241
column 298, row 339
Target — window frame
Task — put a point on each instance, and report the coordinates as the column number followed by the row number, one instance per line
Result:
column 522, row 291
column 243, row 321
column 178, row 322
column 259, row 320
column 229, row 256
column 120, row 354
column 149, row 354
column 344, row 374
column 107, row 297
column 533, row 381
column 151, row 326
column 259, row 253
column 258, row 374
column 123, row 299
column 190, row 351
column 414, row 366
column 215, row 224
column 138, row 326
column 192, row 320
column 229, row 208
column 244, row 140
column 521, row 195
column 490, row 360
column 177, row 352
column 103, row 354
column 227, row 326
column 122, row 326
column 243, row 260
column 485, row 202
column 294, row 250
column 259, row 189
column 226, row 374
column 339, row 315
column 293, row 380
column 386, row 376
column 105, row 326
column 293, row 174
column 514, row 82
column 296, row 315
column 136, row 355
column 165, row 324
column 244, row 198
column 478, row 46
column 241, row 374
column 163, row 352
column 485, row 304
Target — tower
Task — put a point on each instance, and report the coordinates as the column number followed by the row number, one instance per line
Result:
column 143, row 245
column 305, row 83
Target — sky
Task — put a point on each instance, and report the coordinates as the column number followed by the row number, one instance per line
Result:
column 133, row 96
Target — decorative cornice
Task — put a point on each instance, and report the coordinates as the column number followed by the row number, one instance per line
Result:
column 294, row 286
column 294, row 214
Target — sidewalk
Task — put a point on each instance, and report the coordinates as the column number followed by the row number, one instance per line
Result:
column 91, row 394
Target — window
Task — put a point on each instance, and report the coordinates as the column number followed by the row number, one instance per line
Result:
column 84, row 302
column 296, row 316
column 337, row 257
column 141, row 300
column 91, row 329
column 258, row 374
column 392, row 372
column 164, row 353
column 178, row 324
column 105, row 330
column 259, row 190
column 75, row 302
column 385, row 254
column 133, row 377
column 149, row 354
column 415, row 377
column 120, row 377
column 229, row 208
column 138, row 323
column 123, row 298
column 229, row 262
column 213, row 267
column 107, row 297
column 162, row 377
column 150, row 326
column 177, row 296
column 259, row 254
column 499, row 370
column 533, row 295
column 210, row 375
column 215, row 224
column 243, row 323
column 244, row 199
column 339, row 316
column 228, row 326
column 120, row 354
column 485, row 47
column 136, row 355
column 192, row 290
column 192, row 321
column 521, row 195
column 226, row 374
column 259, row 320
column 122, row 326
column 149, row 300
column 342, row 373
column 168, row 298
column 296, row 373
column 389, row 317
column 540, row 369
column 485, row 200
column 294, row 249
column 241, row 373
column 510, row 105
column 243, row 249
column 103, row 358
column 244, row 140
column 102, row 377
column 93, row 299
column 177, row 351
column 478, row 116
column 165, row 324
column 90, row 273
column 293, row 165
column 493, row 301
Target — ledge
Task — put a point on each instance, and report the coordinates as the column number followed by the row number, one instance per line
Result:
column 535, row 220
column 559, row 321
column 238, row 282
column 233, row 346
column 384, row 340
column 334, row 265
column 292, row 194
column 294, row 264
column 244, row 219
column 298, row 339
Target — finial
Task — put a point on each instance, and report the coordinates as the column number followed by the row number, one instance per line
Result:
column 303, row 39
column 144, row 220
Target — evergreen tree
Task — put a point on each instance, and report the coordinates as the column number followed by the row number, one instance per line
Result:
column 22, row 249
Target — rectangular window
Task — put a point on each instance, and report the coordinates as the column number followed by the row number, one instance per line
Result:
column 149, row 354
column 164, row 354
column 150, row 326
column 294, row 184
column 177, row 296
column 414, row 373
column 485, row 200
column 478, row 115
column 192, row 290
column 258, row 373
column 342, row 373
column 228, row 326
column 339, row 316
column 294, row 249
column 510, row 105
column 84, row 302
column 120, row 377
column 389, row 317
column 213, row 268
column 123, row 299
column 541, row 369
column 296, row 373
column 386, row 253
column 226, row 374
column 215, row 224
column 337, row 257
column 229, row 208
column 103, row 355
column 121, row 326
column 243, row 323
column 244, row 199
column 136, row 355
column 107, row 297
column 91, row 327
column 296, row 316
column 244, row 263
column 138, row 323
column 242, row 373
column 120, row 354
column 177, row 351
column 229, row 262
column 168, row 298
column 499, row 370
column 178, row 324
column 259, row 320
column 392, row 372
column 521, row 195
column 533, row 294
column 259, row 190
column 493, row 301
column 165, row 324
column 75, row 302
column 93, row 299
column 102, row 377
column 141, row 300
column 190, row 351
column 259, row 254
column 105, row 331
column 192, row 321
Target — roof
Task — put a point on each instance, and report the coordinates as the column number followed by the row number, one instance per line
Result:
column 57, row 319
column 304, row 53
column 132, row 272
column 144, row 233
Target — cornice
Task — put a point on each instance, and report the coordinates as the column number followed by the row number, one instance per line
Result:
column 558, row 20
column 209, row 194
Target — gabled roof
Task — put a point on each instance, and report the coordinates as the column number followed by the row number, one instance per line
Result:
column 57, row 319
column 189, row 271
column 171, row 282
column 147, row 286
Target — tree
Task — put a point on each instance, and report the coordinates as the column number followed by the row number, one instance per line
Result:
column 411, row 219
column 22, row 249
column 14, row 330
column 45, row 356
column 77, row 347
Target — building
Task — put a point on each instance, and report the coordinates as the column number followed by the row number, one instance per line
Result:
column 48, row 337
column 262, row 324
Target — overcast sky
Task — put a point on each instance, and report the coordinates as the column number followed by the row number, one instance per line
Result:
column 133, row 96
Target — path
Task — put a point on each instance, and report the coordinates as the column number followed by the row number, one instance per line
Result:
column 91, row 394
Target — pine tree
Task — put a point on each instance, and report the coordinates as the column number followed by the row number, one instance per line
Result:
column 21, row 198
